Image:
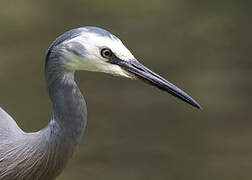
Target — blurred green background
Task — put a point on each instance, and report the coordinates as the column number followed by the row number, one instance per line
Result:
column 136, row 131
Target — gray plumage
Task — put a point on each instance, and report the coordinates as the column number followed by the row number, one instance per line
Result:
column 43, row 155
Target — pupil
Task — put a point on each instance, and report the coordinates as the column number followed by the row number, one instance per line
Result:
column 107, row 53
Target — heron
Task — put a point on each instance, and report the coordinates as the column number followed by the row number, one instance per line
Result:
column 44, row 154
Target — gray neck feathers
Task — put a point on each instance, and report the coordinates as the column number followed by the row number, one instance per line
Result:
column 69, row 108
column 44, row 154
column 64, row 131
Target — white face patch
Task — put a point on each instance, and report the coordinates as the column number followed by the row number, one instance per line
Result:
column 93, row 43
column 91, row 59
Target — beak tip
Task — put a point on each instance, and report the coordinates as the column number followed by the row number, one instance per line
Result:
column 198, row 106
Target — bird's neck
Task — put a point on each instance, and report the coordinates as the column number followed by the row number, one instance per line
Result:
column 63, row 133
column 69, row 111
column 69, row 106
column 44, row 154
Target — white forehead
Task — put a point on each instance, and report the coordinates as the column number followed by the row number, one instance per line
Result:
column 94, row 41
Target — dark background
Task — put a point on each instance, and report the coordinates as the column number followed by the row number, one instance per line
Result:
column 136, row 131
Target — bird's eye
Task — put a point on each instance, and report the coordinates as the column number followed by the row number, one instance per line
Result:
column 106, row 53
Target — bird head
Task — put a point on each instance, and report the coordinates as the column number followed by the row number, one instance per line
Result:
column 95, row 49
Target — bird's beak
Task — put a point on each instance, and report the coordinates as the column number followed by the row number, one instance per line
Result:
column 135, row 68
